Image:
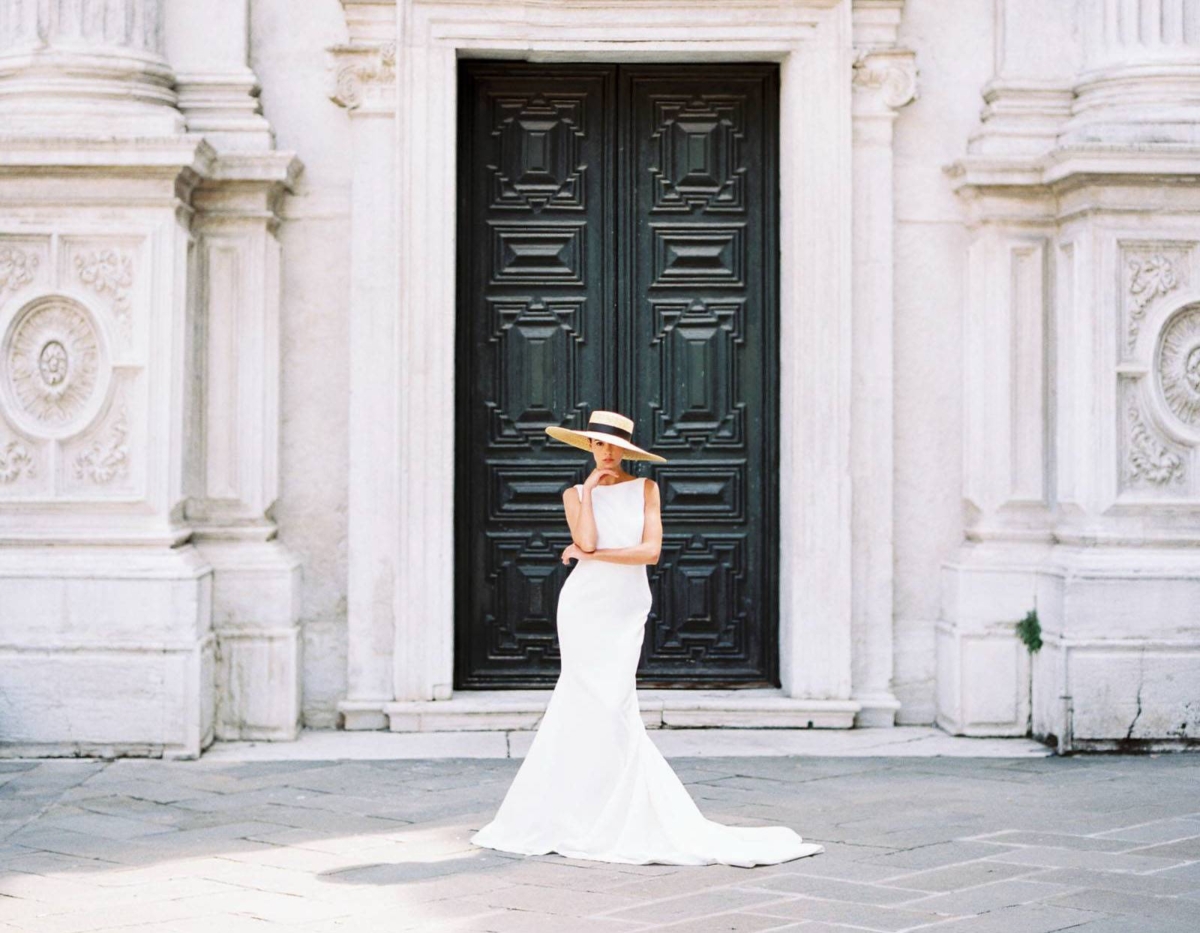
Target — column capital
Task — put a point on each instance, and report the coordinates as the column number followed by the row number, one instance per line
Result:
column 888, row 74
column 364, row 76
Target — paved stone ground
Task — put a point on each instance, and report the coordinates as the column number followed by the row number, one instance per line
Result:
column 987, row 845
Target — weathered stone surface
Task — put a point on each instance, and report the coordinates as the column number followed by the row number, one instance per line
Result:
column 316, row 845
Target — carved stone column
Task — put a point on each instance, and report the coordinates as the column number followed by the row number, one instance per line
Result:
column 72, row 67
column 1141, row 75
column 139, row 366
column 1081, row 341
column 1030, row 92
column 885, row 79
column 208, row 46
column 363, row 80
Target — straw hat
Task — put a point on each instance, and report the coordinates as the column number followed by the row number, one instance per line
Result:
column 605, row 426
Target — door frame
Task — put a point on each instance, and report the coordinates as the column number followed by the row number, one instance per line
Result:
column 411, row 551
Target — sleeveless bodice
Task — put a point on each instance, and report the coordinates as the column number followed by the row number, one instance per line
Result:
column 620, row 512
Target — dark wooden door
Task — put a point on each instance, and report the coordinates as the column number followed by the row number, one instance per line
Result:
column 617, row 248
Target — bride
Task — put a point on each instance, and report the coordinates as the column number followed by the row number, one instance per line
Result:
column 593, row 785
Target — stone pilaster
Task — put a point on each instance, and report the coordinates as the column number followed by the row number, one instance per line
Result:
column 884, row 80
column 363, row 80
column 256, row 584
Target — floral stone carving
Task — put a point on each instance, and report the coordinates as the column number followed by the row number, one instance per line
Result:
column 15, row 460
column 52, row 360
column 1147, row 457
column 1150, row 276
column 108, row 457
column 111, row 271
column 17, row 268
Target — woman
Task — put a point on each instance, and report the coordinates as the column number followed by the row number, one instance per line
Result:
column 593, row 785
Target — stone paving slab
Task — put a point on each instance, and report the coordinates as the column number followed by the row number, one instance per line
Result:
column 947, row 844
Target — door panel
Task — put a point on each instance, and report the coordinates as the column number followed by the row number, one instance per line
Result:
column 698, row 261
column 537, row 342
column 616, row 238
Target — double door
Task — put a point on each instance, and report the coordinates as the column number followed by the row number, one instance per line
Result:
column 617, row 249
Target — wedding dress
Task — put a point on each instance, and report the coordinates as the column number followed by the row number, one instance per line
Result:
column 593, row 785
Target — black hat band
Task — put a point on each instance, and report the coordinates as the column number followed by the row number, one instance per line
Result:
column 610, row 429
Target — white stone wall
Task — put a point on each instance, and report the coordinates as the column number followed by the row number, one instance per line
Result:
column 954, row 57
column 1018, row 253
column 287, row 52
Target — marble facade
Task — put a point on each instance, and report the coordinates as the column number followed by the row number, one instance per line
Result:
column 227, row 289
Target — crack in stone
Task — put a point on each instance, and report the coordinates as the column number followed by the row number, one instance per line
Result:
column 1141, row 683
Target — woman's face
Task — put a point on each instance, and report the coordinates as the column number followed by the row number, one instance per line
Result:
column 607, row 455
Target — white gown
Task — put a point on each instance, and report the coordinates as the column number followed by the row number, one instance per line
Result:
column 593, row 785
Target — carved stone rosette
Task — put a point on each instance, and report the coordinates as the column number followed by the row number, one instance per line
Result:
column 55, row 368
column 1177, row 364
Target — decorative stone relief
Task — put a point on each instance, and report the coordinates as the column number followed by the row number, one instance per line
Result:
column 17, row 268
column 108, row 456
column 1147, row 459
column 109, row 271
column 366, row 73
column 1179, row 365
column 1151, row 273
column 52, row 358
column 15, row 461
column 891, row 72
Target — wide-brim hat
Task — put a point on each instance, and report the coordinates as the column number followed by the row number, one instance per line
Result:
column 605, row 426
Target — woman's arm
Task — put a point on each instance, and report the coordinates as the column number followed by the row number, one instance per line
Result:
column 580, row 518
column 647, row 552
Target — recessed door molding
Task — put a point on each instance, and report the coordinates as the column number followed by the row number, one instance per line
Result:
column 411, row 550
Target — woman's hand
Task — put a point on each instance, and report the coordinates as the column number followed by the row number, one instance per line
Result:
column 573, row 551
column 598, row 474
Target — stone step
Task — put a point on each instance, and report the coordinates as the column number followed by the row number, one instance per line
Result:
column 757, row 708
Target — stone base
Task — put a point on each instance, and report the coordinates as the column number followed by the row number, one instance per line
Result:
column 982, row 665
column 1120, row 667
column 363, row 715
column 1120, row 655
column 490, row 710
column 982, row 680
column 878, row 710
column 256, row 608
column 105, row 651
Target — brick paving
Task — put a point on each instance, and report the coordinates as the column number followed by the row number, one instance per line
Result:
column 1103, row 844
